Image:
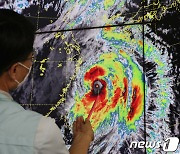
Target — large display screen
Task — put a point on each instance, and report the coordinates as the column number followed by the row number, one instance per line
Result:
column 115, row 61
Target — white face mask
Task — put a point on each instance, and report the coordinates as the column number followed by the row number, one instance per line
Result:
column 25, row 78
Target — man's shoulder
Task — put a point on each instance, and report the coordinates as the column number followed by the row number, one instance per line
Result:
column 17, row 119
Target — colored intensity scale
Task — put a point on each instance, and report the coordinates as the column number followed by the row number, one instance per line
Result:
column 96, row 90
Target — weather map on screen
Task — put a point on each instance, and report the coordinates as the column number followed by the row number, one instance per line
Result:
column 113, row 61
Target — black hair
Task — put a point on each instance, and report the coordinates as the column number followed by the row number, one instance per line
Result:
column 16, row 38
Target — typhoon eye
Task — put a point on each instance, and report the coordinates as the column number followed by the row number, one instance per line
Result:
column 97, row 87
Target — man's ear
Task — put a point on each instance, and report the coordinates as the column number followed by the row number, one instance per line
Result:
column 13, row 71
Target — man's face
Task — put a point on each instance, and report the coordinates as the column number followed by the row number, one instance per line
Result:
column 23, row 68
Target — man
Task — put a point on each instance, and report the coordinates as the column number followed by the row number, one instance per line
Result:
column 23, row 131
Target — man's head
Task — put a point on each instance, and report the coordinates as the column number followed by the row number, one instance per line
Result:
column 16, row 46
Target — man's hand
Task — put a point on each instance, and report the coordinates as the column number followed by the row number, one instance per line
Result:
column 82, row 136
column 83, row 129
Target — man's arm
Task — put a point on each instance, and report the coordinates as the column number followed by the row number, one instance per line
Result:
column 82, row 136
column 48, row 139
